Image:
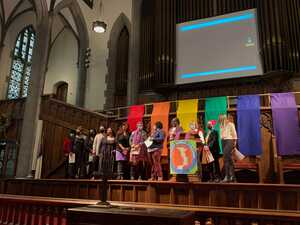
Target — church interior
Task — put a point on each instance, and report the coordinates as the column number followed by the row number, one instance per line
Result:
column 150, row 112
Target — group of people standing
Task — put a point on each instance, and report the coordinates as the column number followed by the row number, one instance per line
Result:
column 121, row 156
column 214, row 140
column 126, row 156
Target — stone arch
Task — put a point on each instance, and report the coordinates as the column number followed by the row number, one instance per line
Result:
column 121, row 22
column 83, row 44
column 60, row 89
column 57, row 84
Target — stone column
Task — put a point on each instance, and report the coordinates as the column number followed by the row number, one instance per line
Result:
column 82, row 76
column 33, row 101
column 134, row 53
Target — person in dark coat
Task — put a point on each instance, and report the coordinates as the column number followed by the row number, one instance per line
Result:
column 155, row 151
column 89, row 152
column 212, row 141
column 80, row 153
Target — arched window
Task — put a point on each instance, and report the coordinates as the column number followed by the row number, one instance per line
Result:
column 61, row 91
column 21, row 65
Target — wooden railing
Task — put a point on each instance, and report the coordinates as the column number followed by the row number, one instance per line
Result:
column 256, row 196
column 70, row 116
column 229, row 216
column 121, row 113
column 27, row 210
column 16, row 210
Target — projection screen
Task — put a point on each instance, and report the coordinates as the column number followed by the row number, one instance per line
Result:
column 218, row 48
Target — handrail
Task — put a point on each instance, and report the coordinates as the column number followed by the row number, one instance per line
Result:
column 200, row 210
column 58, row 166
column 81, row 108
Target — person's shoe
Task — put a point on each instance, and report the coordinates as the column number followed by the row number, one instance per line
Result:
column 217, row 180
column 159, row 179
column 172, row 179
column 132, row 178
column 120, row 177
column 232, row 179
column 226, row 180
column 140, row 178
column 151, row 179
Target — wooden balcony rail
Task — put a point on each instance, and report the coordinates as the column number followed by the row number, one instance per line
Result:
column 256, row 196
column 122, row 112
column 28, row 210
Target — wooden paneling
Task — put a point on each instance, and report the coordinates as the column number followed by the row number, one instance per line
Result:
column 59, row 118
column 261, row 196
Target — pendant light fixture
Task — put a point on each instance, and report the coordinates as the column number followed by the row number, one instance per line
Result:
column 100, row 26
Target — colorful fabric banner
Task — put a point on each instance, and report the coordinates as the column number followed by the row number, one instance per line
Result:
column 214, row 107
column 248, row 122
column 187, row 113
column 183, row 157
column 135, row 115
column 286, row 123
column 161, row 113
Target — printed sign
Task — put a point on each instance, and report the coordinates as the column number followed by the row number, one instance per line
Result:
column 183, row 157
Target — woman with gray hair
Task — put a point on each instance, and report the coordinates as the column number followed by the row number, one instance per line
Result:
column 229, row 138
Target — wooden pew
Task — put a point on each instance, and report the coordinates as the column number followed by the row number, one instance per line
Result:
column 284, row 164
column 250, row 164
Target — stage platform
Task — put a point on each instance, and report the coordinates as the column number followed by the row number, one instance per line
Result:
column 238, row 195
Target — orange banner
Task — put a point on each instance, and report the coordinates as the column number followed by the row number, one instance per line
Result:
column 161, row 113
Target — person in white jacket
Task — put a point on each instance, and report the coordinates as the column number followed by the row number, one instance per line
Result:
column 96, row 148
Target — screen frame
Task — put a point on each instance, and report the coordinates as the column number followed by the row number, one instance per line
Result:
column 258, row 46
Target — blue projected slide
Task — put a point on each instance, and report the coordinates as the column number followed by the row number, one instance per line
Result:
column 216, row 22
column 218, row 48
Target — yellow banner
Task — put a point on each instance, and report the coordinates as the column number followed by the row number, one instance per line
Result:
column 187, row 113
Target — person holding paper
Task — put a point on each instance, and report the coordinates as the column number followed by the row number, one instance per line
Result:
column 155, row 151
column 194, row 132
column 89, row 142
column 175, row 130
column 68, row 148
column 229, row 139
column 106, row 160
column 138, row 152
column 96, row 148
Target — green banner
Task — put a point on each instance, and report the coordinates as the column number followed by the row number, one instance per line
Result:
column 214, row 107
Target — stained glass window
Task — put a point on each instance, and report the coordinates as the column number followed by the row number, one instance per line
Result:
column 21, row 64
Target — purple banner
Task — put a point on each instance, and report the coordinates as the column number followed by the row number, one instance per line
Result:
column 286, row 123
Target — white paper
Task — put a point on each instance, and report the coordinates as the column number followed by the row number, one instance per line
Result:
column 72, row 158
column 148, row 142
column 91, row 157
